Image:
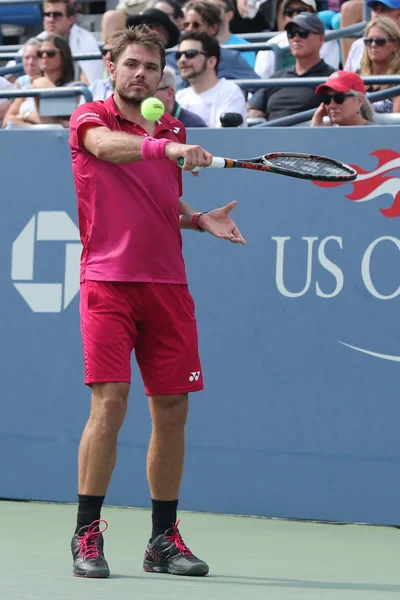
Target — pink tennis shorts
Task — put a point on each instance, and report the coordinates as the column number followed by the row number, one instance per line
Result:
column 154, row 319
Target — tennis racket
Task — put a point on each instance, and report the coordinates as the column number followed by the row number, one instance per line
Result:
column 302, row 166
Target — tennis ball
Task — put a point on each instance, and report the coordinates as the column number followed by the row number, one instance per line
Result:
column 152, row 109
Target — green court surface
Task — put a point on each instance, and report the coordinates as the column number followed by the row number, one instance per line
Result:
column 250, row 558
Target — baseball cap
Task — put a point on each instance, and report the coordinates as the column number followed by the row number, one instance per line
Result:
column 390, row 3
column 153, row 16
column 308, row 21
column 311, row 3
column 342, row 81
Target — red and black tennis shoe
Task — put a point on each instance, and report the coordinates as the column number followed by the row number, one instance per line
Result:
column 87, row 551
column 168, row 553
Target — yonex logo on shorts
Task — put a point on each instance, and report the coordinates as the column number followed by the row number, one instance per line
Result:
column 194, row 376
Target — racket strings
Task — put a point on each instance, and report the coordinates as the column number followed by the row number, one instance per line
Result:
column 312, row 166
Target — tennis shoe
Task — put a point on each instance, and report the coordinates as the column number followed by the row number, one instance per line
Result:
column 87, row 551
column 168, row 553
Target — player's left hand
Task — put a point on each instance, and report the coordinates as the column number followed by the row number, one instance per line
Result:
column 218, row 223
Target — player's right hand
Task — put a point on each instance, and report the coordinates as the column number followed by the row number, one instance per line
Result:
column 194, row 156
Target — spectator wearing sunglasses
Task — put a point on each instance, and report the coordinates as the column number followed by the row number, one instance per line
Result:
column 102, row 88
column 208, row 96
column 172, row 9
column 306, row 36
column 23, row 110
column 59, row 19
column 382, row 57
column 387, row 8
column 343, row 102
column 201, row 16
column 265, row 61
column 166, row 93
column 56, row 64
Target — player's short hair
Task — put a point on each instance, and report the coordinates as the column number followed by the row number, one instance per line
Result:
column 208, row 42
column 210, row 13
column 141, row 35
column 70, row 7
column 168, row 78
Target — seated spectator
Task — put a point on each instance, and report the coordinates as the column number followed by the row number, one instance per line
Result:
column 204, row 16
column 172, row 9
column 265, row 61
column 115, row 20
column 351, row 12
column 4, row 103
column 306, row 36
column 160, row 22
column 387, row 8
column 30, row 62
column 208, row 96
column 59, row 19
column 57, row 67
column 166, row 93
column 103, row 88
column 225, row 36
column 23, row 110
column 343, row 102
column 382, row 57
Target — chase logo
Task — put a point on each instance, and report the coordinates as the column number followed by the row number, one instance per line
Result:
column 46, row 226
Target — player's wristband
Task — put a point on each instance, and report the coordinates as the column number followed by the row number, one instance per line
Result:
column 153, row 149
column 195, row 222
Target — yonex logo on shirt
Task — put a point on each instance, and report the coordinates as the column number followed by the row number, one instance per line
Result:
column 194, row 376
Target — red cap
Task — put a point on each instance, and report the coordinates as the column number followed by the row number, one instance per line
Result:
column 342, row 81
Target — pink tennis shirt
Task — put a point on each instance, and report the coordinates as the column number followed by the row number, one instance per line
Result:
column 128, row 213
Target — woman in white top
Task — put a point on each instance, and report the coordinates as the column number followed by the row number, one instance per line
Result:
column 22, row 108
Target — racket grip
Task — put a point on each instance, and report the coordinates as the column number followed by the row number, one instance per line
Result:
column 216, row 163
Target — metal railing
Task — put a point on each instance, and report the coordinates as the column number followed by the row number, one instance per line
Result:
column 311, row 81
column 61, row 92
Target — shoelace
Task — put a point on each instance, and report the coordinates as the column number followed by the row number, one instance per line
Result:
column 177, row 540
column 88, row 542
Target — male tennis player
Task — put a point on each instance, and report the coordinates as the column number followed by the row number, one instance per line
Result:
column 134, row 294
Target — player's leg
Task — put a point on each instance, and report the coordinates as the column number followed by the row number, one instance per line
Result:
column 167, row 354
column 108, row 334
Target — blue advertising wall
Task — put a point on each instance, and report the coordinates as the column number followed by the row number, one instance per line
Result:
column 299, row 334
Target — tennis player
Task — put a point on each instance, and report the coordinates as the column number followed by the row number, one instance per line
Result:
column 134, row 295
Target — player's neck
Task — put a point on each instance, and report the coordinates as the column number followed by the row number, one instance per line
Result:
column 132, row 113
column 204, row 82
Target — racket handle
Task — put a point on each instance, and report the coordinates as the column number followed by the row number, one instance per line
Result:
column 216, row 163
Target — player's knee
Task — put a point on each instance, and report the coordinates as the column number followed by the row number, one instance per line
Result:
column 170, row 412
column 109, row 404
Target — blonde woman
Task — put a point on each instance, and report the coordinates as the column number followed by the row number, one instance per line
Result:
column 382, row 57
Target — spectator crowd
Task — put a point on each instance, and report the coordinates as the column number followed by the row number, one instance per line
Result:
column 204, row 59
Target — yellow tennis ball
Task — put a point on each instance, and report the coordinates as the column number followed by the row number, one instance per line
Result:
column 152, row 109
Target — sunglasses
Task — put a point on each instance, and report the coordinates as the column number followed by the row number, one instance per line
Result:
column 189, row 53
column 164, row 87
column 105, row 51
column 290, row 12
column 194, row 24
column 302, row 33
column 379, row 41
column 49, row 53
column 338, row 98
column 54, row 14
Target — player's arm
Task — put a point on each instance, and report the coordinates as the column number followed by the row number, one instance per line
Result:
column 119, row 147
column 217, row 222
column 186, row 214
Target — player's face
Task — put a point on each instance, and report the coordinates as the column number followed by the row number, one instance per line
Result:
column 191, row 67
column 136, row 74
